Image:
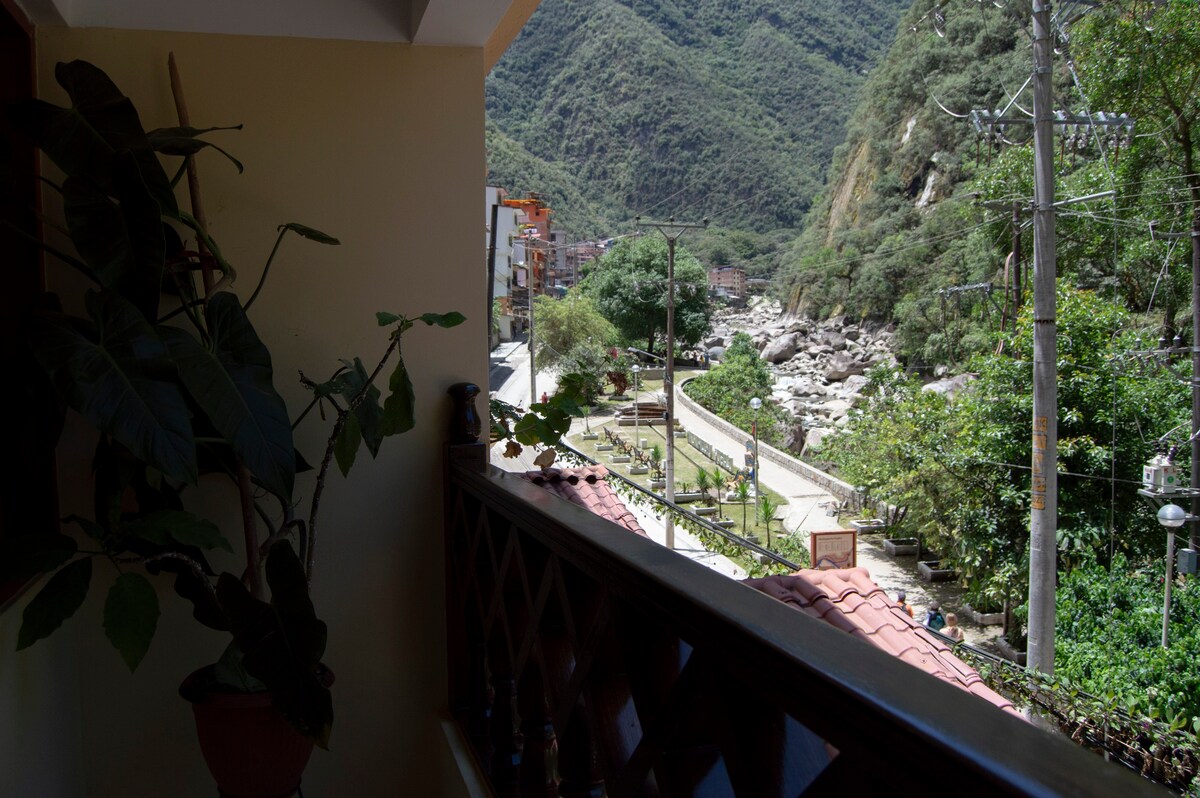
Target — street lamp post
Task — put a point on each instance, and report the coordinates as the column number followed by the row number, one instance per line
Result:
column 1172, row 517
column 755, row 403
column 637, row 441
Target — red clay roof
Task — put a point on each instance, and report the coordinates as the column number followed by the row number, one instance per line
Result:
column 587, row 488
column 848, row 599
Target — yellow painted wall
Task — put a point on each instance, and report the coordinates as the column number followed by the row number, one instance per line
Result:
column 361, row 141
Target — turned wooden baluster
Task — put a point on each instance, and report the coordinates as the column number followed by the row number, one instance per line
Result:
column 481, row 699
column 578, row 760
column 539, row 765
column 507, row 741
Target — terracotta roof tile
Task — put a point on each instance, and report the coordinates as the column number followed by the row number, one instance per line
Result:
column 588, row 488
column 849, row 600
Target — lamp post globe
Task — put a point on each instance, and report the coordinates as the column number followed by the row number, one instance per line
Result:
column 1171, row 516
column 755, row 404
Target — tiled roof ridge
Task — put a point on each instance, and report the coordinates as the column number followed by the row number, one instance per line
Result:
column 849, row 599
column 590, row 474
column 587, row 487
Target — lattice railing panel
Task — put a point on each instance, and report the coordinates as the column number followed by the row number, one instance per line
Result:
column 586, row 661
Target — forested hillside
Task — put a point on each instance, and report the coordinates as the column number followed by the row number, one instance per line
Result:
column 917, row 205
column 714, row 108
column 895, row 223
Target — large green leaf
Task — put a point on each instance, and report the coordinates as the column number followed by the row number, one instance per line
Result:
column 83, row 140
column 122, row 239
column 367, row 413
column 398, row 408
column 121, row 381
column 310, row 233
column 164, row 526
column 345, row 448
column 55, row 602
column 131, row 617
column 292, row 603
column 451, row 319
column 282, row 642
column 184, row 141
column 233, row 384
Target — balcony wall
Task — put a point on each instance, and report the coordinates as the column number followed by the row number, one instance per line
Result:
column 359, row 140
column 585, row 660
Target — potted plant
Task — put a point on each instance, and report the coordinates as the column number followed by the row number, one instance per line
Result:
column 180, row 388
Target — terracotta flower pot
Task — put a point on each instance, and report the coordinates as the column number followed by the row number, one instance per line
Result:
column 251, row 751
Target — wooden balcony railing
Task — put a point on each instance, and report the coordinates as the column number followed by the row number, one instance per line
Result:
column 587, row 661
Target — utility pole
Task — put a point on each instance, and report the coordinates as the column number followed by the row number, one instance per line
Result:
column 1043, row 547
column 533, row 397
column 1043, row 521
column 491, row 270
column 671, row 230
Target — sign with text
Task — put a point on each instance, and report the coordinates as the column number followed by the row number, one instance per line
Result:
column 835, row 548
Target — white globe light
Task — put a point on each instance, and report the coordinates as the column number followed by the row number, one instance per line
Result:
column 756, row 403
column 635, row 368
column 1171, row 515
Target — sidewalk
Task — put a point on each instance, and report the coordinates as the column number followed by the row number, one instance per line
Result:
column 811, row 508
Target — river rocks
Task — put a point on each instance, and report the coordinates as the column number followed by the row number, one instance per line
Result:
column 780, row 349
column 819, row 364
column 949, row 386
column 843, row 365
column 812, row 440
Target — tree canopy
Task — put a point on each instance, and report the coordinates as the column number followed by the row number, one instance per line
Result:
column 563, row 325
column 629, row 286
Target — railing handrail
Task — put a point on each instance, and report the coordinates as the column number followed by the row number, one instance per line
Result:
column 848, row 692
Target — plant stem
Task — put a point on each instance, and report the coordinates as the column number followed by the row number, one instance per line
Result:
column 250, row 532
column 267, row 268
column 338, row 425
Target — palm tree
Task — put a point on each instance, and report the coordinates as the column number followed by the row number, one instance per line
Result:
column 742, row 491
column 703, row 484
column 718, row 480
column 766, row 513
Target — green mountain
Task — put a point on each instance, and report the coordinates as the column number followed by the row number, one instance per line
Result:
column 726, row 109
column 898, row 221
column 916, row 219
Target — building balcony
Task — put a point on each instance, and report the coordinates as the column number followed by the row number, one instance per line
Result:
column 585, row 660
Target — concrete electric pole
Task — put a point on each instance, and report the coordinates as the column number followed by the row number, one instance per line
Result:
column 1043, row 546
column 671, row 230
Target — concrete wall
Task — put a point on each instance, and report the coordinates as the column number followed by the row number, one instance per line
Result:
column 843, row 490
column 358, row 140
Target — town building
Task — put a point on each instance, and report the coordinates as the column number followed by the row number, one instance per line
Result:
column 727, row 281
column 502, row 224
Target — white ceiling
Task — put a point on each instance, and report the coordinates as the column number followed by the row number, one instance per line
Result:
column 465, row 23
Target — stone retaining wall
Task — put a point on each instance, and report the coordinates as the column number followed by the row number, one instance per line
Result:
column 842, row 490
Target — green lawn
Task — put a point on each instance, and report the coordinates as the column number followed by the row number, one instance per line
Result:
column 688, row 460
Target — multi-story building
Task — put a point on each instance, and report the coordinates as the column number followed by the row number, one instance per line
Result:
column 502, row 226
column 727, row 281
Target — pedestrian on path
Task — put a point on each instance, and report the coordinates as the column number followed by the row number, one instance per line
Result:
column 952, row 630
column 933, row 617
column 902, row 597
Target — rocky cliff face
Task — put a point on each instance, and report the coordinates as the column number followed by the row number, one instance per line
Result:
column 818, row 365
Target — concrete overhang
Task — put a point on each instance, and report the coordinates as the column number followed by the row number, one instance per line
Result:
column 490, row 24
